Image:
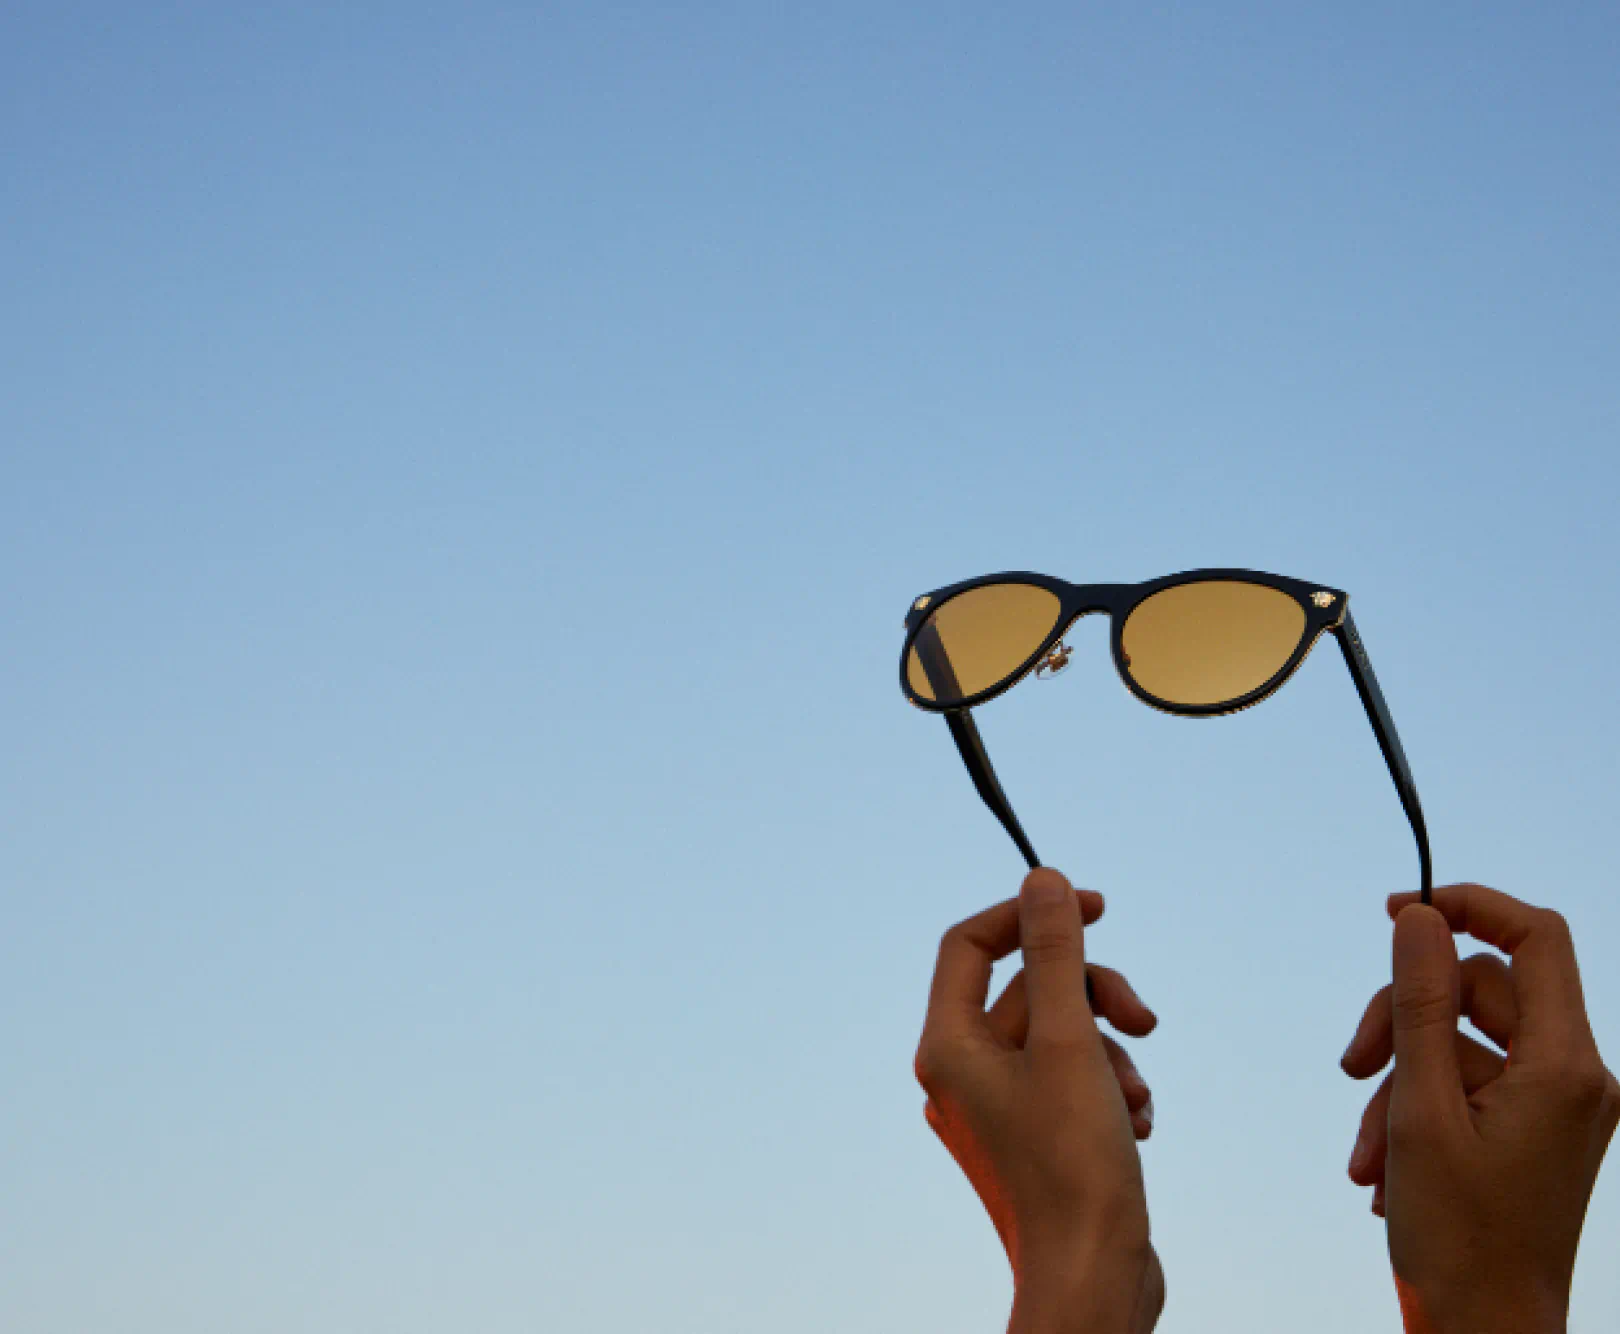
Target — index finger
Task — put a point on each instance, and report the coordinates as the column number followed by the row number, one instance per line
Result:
column 1546, row 979
column 968, row 952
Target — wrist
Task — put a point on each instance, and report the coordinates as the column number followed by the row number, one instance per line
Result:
column 1113, row 1290
column 1484, row 1309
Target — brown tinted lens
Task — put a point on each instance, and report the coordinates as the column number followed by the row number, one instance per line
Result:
column 978, row 639
column 1211, row 642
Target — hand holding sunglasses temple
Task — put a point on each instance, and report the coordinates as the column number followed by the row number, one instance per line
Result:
column 965, row 732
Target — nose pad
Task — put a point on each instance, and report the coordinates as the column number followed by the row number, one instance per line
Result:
column 1055, row 661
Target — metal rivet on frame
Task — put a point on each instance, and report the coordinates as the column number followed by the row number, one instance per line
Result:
column 1322, row 599
column 920, row 603
column 1056, row 660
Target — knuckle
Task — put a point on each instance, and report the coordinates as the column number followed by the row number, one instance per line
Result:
column 1049, row 943
column 1423, row 1002
column 1483, row 964
column 1554, row 925
column 925, row 1065
column 1374, row 1127
column 1585, row 1082
column 936, row 1063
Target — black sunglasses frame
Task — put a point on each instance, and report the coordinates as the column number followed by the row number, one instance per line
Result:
column 1327, row 610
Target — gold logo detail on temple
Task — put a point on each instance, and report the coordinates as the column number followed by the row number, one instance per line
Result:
column 1322, row 599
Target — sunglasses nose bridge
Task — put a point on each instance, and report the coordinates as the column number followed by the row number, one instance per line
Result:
column 1092, row 599
column 1076, row 617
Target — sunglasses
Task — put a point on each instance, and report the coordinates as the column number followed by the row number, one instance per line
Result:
column 1200, row 643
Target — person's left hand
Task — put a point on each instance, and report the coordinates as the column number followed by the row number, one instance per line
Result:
column 1486, row 998
column 1041, row 1110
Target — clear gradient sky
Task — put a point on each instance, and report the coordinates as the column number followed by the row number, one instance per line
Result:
column 465, row 860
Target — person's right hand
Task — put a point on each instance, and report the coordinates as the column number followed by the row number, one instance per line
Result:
column 1040, row 1113
column 1483, row 1165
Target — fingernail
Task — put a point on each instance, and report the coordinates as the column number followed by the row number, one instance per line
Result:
column 1147, row 1113
column 1345, row 1059
column 1046, row 888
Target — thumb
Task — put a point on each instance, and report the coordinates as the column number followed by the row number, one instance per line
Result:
column 1428, row 981
column 1052, row 937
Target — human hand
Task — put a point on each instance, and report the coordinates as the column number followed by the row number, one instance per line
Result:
column 1483, row 1165
column 1041, row 1111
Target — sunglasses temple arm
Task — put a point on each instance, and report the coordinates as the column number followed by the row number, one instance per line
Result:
column 936, row 663
column 1389, row 741
column 966, row 734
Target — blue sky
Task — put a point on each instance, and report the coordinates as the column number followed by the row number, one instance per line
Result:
column 466, row 862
